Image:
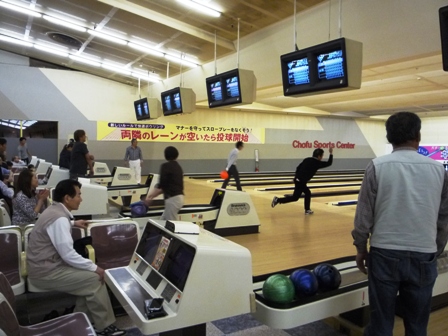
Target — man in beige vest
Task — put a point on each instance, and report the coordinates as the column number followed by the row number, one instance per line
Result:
column 53, row 264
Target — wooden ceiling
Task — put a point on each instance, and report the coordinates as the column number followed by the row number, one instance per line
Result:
column 417, row 85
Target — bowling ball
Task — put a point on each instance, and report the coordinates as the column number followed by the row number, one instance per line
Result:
column 224, row 174
column 138, row 209
column 327, row 276
column 278, row 288
column 305, row 283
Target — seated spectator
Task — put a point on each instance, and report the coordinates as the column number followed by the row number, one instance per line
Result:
column 3, row 161
column 16, row 161
column 5, row 190
column 27, row 204
column 53, row 264
column 3, row 165
column 65, row 156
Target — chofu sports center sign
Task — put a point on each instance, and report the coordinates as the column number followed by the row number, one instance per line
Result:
column 317, row 144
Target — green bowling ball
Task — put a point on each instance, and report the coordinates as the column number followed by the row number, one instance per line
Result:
column 278, row 288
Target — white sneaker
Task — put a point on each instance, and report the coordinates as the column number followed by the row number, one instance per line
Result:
column 309, row 212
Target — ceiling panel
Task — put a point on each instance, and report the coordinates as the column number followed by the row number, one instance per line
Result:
column 415, row 82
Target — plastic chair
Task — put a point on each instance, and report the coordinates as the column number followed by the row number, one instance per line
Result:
column 114, row 243
column 5, row 217
column 75, row 324
column 10, row 261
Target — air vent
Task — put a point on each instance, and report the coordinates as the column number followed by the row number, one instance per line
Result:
column 66, row 40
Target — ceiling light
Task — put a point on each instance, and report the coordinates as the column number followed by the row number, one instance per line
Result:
column 64, row 23
column 51, row 50
column 84, row 60
column 116, row 68
column 145, row 49
column 145, row 77
column 146, row 73
column 107, row 37
column 200, row 7
column 181, row 61
column 15, row 41
column 20, row 9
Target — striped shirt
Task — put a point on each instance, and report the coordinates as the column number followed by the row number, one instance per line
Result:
column 133, row 154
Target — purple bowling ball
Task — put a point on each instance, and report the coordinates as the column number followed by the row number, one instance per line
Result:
column 138, row 209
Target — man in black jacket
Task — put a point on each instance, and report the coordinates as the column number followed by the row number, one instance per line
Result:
column 304, row 172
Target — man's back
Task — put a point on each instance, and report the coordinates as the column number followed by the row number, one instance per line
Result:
column 407, row 202
column 78, row 163
column 309, row 166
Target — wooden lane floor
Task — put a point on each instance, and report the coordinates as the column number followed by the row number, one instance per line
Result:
column 287, row 237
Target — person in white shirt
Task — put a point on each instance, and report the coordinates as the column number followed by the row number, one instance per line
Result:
column 134, row 158
column 231, row 166
column 53, row 263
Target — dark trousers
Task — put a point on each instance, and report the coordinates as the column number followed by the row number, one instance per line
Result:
column 412, row 275
column 233, row 172
column 299, row 188
column 75, row 176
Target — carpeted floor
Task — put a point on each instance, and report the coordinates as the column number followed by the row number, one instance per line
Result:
column 247, row 325
column 32, row 307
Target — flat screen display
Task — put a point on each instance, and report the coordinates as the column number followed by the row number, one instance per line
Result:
column 229, row 88
column 177, row 101
column 215, row 91
column 330, row 65
column 172, row 102
column 141, row 109
column 319, row 68
column 171, row 257
column 298, row 72
column 167, row 104
column 232, row 87
column 47, row 175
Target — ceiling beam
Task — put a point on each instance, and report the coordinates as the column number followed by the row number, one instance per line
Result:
column 170, row 22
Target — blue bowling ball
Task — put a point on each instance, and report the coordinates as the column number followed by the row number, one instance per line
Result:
column 138, row 209
column 327, row 276
column 305, row 283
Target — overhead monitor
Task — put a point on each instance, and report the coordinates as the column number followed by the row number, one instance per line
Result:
column 178, row 100
column 141, row 109
column 147, row 108
column 233, row 87
column 331, row 66
column 443, row 21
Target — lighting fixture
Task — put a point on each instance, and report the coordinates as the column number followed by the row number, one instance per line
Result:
column 51, row 50
column 64, row 23
column 116, row 68
column 107, row 37
column 20, row 9
column 145, row 49
column 200, row 7
column 145, row 77
column 181, row 61
column 84, row 60
column 15, row 41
